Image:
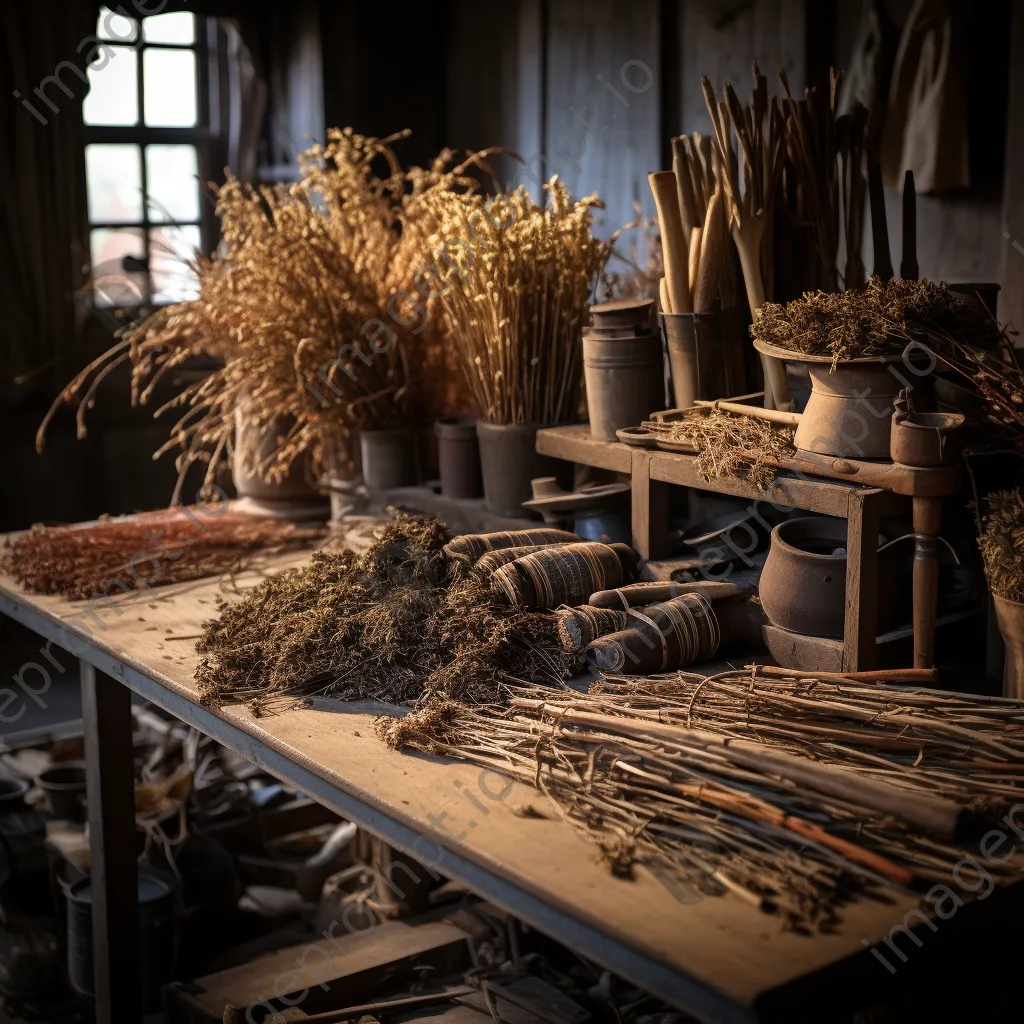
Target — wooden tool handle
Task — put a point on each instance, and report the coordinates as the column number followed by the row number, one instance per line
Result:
column 879, row 223
column 712, row 245
column 909, row 270
column 788, row 419
column 673, row 245
column 695, row 237
column 666, row 303
column 684, row 187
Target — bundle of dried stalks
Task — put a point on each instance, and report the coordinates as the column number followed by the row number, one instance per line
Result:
column 793, row 794
column 400, row 623
column 728, row 444
column 148, row 550
column 516, row 288
column 1002, row 544
column 296, row 304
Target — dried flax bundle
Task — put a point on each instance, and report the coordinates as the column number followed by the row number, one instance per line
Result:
column 518, row 282
column 728, row 444
column 579, row 627
column 300, row 305
column 401, row 623
column 148, row 550
column 794, row 794
column 1002, row 544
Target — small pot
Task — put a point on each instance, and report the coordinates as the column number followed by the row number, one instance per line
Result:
column 388, row 458
column 458, row 456
column 1010, row 616
column 12, row 795
column 926, row 439
column 509, row 458
column 64, row 786
column 803, row 583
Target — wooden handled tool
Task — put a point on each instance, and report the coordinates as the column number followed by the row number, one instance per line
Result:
column 684, row 187
column 673, row 244
column 879, row 224
column 909, row 270
column 712, row 252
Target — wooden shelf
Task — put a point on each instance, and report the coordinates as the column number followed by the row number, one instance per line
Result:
column 861, row 505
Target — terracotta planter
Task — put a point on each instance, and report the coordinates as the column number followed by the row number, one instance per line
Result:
column 803, row 583
column 509, row 458
column 458, row 456
column 388, row 458
column 1010, row 616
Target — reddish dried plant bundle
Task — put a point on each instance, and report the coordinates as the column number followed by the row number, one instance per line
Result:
column 148, row 550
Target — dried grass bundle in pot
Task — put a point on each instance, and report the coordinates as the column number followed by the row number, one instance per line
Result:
column 1002, row 551
column 518, row 281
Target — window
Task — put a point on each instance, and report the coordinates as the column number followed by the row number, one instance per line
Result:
column 146, row 135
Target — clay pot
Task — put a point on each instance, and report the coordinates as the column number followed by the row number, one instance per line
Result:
column 252, row 447
column 509, row 458
column 458, row 456
column 927, row 439
column 624, row 365
column 1010, row 616
column 64, row 786
column 803, row 583
column 388, row 458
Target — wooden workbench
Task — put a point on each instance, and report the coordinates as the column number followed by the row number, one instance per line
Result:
column 717, row 958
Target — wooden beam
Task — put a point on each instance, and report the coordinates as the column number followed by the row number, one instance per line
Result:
column 861, row 581
column 110, row 785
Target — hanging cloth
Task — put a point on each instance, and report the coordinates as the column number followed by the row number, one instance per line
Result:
column 926, row 129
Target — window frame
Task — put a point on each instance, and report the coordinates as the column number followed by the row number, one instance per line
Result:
column 201, row 136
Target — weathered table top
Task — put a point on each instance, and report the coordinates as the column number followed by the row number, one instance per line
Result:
column 717, row 958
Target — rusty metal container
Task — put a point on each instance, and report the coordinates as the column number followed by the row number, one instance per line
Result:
column 1010, row 616
column 624, row 366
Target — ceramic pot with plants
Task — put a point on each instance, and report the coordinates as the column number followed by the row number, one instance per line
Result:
column 1002, row 552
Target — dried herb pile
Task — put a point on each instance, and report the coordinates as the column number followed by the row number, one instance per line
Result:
column 1002, row 544
column 796, row 795
column 880, row 319
column 401, row 623
column 728, row 444
column 150, row 549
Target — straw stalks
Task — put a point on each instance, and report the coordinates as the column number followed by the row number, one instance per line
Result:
column 296, row 305
column 793, row 794
column 517, row 282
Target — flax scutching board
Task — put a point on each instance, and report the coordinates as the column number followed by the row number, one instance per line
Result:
column 732, row 962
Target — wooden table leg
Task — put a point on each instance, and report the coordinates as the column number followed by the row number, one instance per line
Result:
column 859, row 634
column 106, row 711
column 927, row 523
column 650, row 509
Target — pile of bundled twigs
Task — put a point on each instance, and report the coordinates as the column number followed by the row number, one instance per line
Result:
column 147, row 550
column 792, row 793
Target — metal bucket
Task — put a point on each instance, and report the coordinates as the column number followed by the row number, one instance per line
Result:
column 510, row 461
column 694, row 343
column 388, row 458
column 156, row 935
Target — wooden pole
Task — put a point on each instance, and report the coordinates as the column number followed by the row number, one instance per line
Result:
column 927, row 522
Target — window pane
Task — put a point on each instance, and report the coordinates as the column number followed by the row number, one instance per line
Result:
column 114, row 284
column 113, row 97
column 116, row 27
column 172, row 182
column 169, row 249
column 113, row 174
column 169, row 78
column 170, row 28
